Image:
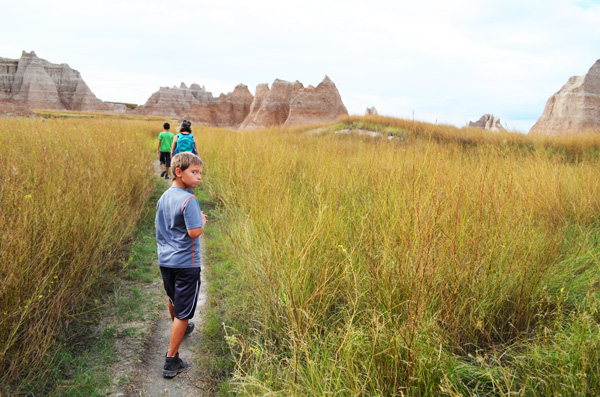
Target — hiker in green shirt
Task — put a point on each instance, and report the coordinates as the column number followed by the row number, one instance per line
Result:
column 165, row 140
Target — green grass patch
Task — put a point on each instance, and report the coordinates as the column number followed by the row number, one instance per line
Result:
column 130, row 106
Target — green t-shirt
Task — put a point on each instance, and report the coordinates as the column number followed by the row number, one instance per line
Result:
column 166, row 140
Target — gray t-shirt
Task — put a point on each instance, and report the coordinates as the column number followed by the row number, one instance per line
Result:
column 176, row 212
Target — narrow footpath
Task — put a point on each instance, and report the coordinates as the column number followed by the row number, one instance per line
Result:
column 146, row 377
column 143, row 370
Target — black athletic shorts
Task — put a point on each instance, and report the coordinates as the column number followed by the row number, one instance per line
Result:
column 165, row 158
column 182, row 286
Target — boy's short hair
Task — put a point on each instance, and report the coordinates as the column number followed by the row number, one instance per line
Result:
column 183, row 160
column 166, row 126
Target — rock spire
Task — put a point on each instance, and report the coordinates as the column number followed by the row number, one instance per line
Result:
column 487, row 122
column 289, row 103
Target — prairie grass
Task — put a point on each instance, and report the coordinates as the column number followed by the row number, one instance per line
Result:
column 443, row 261
column 71, row 193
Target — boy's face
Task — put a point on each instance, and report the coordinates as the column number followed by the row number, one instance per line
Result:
column 191, row 177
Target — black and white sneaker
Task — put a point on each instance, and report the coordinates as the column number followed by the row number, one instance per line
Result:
column 163, row 173
column 190, row 328
column 174, row 366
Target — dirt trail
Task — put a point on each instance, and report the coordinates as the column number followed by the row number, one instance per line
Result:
column 147, row 379
column 145, row 370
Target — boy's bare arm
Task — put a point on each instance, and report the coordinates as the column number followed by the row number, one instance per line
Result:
column 158, row 149
column 196, row 232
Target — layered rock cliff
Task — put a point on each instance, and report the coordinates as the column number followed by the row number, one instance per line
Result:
column 38, row 84
column 575, row 108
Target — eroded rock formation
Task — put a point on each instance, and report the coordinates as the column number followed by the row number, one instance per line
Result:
column 175, row 101
column 313, row 105
column 274, row 109
column 291, row 103
column 575, row 108
column 372, row 111
column 262, row 90
column 34, row 83
column 487, row 122
column 284, row 103
column 225, row 111
column 38, row 84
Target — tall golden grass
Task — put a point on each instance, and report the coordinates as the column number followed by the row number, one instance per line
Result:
column 427, row 264
column 443, row 261
column 71, row 192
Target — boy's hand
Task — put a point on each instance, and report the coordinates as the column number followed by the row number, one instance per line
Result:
column 203, row 218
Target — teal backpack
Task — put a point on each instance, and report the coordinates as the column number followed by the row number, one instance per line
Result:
column 185, row 143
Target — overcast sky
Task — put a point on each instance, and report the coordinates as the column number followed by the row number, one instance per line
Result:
column 444, row 61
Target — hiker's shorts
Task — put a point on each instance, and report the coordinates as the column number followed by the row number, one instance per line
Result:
column 165, row 158
column 182, row 286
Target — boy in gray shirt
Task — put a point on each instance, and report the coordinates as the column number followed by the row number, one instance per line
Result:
column 179, row 224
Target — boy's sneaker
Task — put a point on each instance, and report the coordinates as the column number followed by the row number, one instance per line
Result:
column 163, row 173
column 167, row 176
column 174, row 366
column 190, row 328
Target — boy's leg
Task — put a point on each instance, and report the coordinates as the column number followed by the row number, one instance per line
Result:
column 175, row 365
column 182, row 286
column 177, row 332
column 171, row 310
column 167, row 165
column 163, row 164
column 190, row 326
